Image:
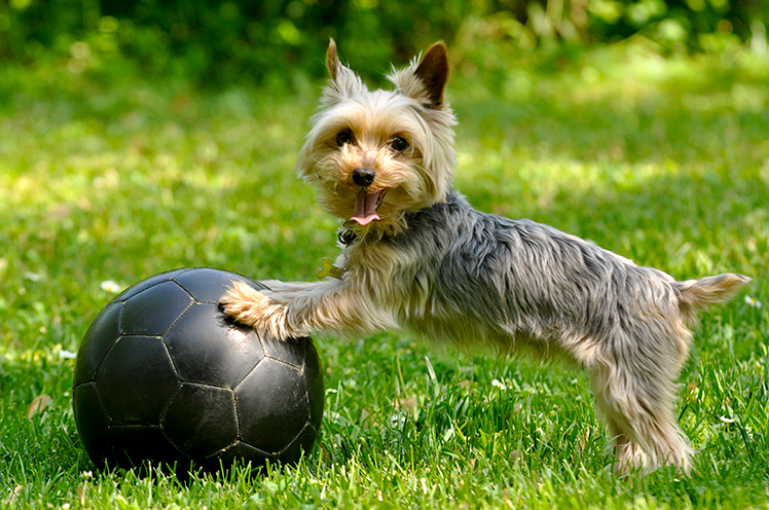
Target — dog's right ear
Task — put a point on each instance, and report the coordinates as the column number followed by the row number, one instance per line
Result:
column 343, row 83
column 332, row 60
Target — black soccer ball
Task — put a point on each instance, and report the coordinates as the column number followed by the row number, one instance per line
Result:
column 163, row 376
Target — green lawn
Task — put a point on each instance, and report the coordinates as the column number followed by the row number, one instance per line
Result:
column 665, row 161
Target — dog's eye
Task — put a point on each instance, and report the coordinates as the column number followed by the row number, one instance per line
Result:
column 343, row 137
column 399, row 144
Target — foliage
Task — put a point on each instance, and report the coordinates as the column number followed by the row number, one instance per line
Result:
column 661, row 160
column 215, row 43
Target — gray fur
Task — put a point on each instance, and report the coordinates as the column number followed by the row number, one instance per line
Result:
column 521, row 278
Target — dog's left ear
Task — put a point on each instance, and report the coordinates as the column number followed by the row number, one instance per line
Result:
column 433, row 72
column 425, row 81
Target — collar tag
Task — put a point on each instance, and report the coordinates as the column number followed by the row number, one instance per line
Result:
column 330, row 270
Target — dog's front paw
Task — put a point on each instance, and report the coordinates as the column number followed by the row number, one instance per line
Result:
column 244, row 304
column 253, row 308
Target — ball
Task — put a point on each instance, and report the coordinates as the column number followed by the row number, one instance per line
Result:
column 162, row 376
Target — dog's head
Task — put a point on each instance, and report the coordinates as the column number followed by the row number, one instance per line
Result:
column 375, row 155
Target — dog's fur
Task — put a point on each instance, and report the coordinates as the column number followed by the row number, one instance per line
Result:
column 416, row 255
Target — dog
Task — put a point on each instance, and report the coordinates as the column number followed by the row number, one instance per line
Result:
column 416, row 255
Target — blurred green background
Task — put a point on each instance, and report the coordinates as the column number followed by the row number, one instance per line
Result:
column 214, row 43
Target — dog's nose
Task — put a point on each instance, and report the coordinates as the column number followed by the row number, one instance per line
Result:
column 363, row 176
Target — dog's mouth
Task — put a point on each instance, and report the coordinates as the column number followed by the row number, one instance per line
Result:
column 366, row 205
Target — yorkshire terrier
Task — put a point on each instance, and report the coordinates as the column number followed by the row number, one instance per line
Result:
column 416, row 255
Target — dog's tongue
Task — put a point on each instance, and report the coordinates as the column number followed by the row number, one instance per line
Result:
column 365, row 207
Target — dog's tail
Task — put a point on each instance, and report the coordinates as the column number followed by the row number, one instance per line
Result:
column 695, row 295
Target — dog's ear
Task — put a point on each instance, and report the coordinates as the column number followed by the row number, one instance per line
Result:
column 433, row 72
column 332, row 60
column 427, row 79
column 343, row 83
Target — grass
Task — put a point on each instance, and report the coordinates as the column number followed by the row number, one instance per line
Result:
column 665, row 161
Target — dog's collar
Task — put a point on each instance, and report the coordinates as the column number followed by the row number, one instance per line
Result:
column 346, row 236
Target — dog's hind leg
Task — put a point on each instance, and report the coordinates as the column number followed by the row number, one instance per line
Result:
column 636, row 400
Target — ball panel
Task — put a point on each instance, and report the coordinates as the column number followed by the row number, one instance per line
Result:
column 272, row 405
column 129, row 446
column 91, row 420
column 313, row 376
column 291, row 351
column 149, row 282
column 239, row 451
column 209, row 285
column 201, row 420
column 154, row 310
column 302, row 443
column 136, row 380
column 207, row 349
column 96, row 343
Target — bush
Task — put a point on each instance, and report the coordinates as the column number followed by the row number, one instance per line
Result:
column 210, row 42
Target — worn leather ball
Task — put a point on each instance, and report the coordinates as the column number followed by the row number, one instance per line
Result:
column 163, row 377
